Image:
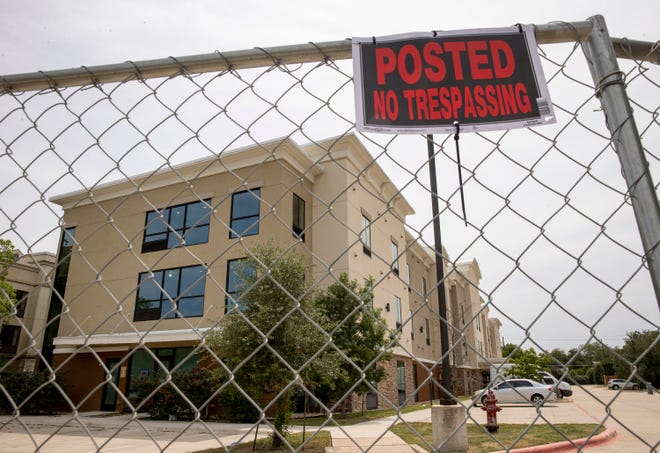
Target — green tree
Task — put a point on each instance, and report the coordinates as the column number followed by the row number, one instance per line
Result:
column 526, row 363
column 557, row 360
column 359, row 332
column 589, row 363
column 508, row 348
column 274, row 339
column 7, row 291
column 641, row 349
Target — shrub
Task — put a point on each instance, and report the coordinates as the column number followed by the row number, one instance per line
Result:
column 197, row 384
column 235, row 407
column 20, row 385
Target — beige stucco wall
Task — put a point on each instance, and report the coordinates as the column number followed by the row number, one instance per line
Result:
column 31, row 273
column 103, row 275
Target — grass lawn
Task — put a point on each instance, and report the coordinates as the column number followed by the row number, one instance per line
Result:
column 482, row 442
column 359, row 417
column 316, row 445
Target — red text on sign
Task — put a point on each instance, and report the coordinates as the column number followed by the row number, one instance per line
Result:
column 487, row 59
column 453, row 103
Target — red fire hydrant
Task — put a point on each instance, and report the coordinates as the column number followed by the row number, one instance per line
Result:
column 491, row 408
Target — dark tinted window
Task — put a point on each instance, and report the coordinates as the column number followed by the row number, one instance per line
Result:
column 245, row 213
column 21, row 302
column 9, row 336
column 171, row 293
column 237, row 270
column 185, row 224
column 298, row 221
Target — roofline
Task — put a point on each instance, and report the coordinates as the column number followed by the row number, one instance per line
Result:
column 281, row 148
column 349, row 146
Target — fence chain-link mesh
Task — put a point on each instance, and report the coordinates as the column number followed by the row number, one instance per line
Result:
column 153, row 217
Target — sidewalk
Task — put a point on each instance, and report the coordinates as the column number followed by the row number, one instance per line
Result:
column 361, row 437
column 634, row 415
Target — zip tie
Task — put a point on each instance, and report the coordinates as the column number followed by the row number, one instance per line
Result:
column 457, row 127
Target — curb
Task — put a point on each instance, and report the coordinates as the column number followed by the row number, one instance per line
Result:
column 606, row 436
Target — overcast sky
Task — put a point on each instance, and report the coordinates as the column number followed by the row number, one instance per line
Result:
column 40, row 35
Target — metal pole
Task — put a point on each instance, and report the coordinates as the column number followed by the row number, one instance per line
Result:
column 446, row 398
column 611, row 90
column 555, row 32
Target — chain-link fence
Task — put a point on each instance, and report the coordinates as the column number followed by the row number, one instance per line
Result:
column 208, row 240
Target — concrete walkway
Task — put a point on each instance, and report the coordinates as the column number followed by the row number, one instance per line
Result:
column 362, row 437
column 633, row 414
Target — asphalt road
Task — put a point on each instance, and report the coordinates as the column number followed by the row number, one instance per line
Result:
column 635, row 415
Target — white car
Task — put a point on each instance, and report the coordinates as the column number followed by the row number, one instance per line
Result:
column 616, row 384
column 518, row 391
column 563, row 388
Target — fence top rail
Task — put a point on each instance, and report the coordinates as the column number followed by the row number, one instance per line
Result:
column 555, row 32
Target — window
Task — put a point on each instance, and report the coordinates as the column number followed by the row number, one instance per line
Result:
column 9, row 336
column 408, row 275
column 395, row 258
column 63, row 259
column 236, row 271
column 365, row 235
column 412, row 325
column 66, row 250
column 400, row 375
column 424, row 294
column 171, row 293
column 245, row 213
column 401, row 380
column 298, row 221
column 397, row 312
column 428, row 331
column 184, row 224
column 143, row 364
column 21, row 302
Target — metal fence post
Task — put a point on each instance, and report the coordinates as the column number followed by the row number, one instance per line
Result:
column 610, row 88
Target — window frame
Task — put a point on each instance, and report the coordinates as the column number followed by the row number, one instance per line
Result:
column 164, row 217
column 408, row 276
column 365, row 234
column 253, row 228
column 13, row 333
column 185, row 353
column 394, row 247
column 149, row 314
column 298, row 217
column 21, row 302
column 230, row 300
column 412, row 325
column 398, row 312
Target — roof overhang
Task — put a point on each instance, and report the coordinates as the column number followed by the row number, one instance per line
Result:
column 99, row 342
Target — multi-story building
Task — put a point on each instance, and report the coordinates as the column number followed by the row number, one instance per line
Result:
column 474, row 336
column 154, row 257
column 22, row 333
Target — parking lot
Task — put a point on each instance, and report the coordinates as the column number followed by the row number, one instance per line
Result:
column 635, row 416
